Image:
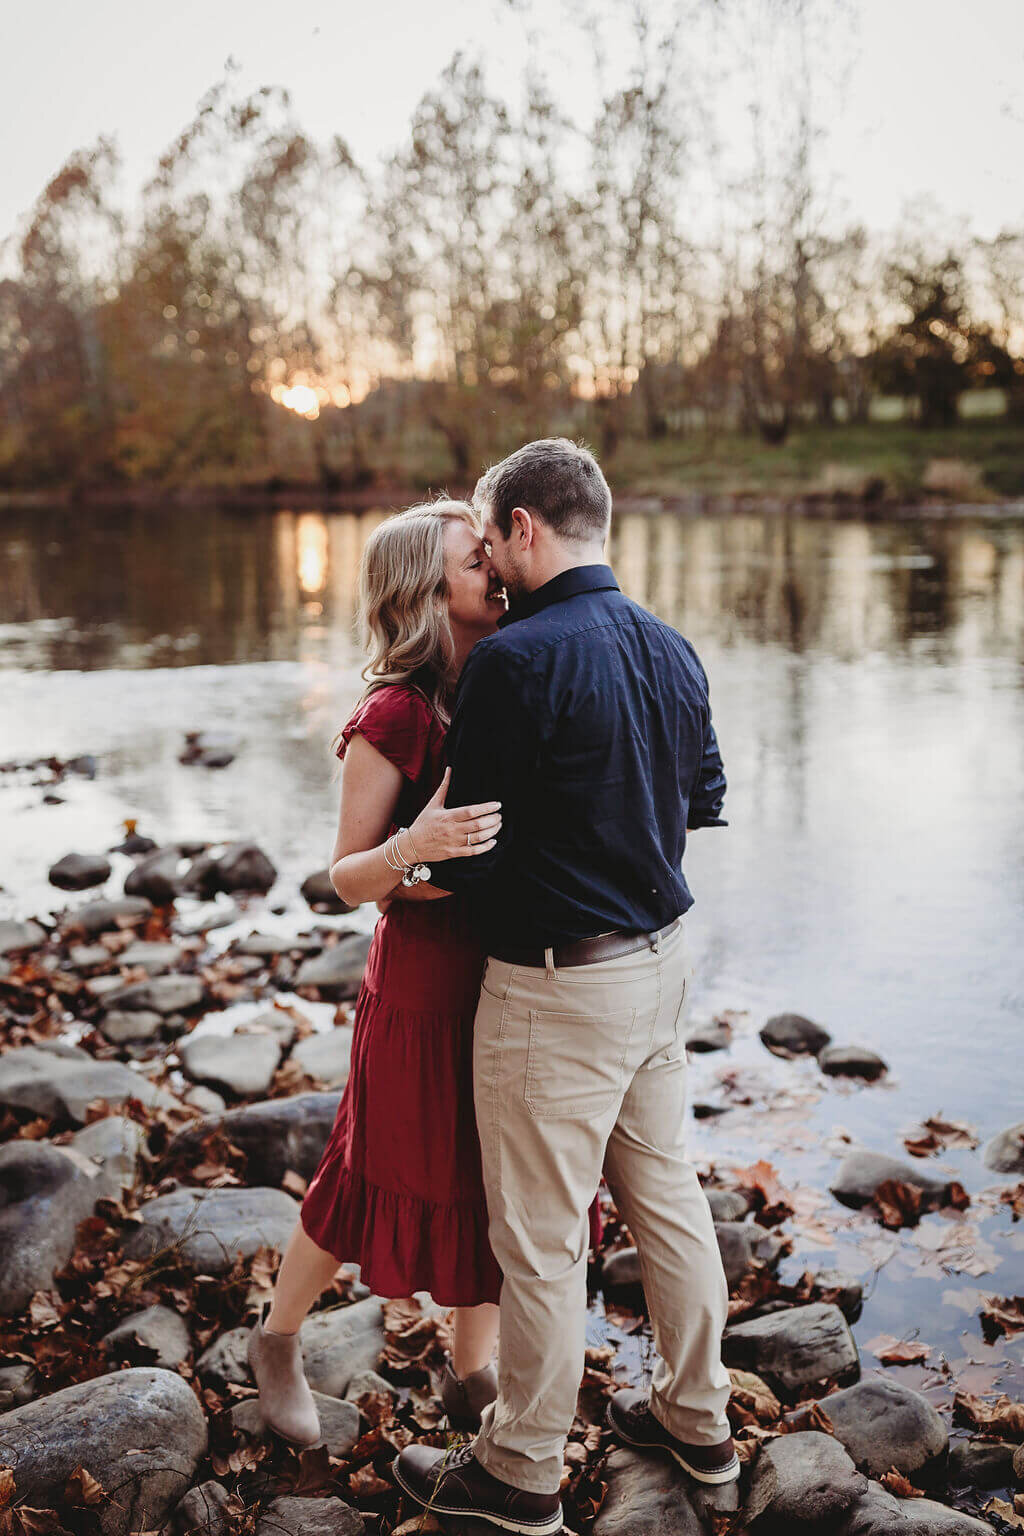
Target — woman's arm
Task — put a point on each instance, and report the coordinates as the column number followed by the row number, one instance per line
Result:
column 370, row 788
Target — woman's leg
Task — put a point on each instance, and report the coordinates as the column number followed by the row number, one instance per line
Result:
column 475, row 1335
column 306, row 1272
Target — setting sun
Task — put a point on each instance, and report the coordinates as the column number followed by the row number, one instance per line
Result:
column 301, row 399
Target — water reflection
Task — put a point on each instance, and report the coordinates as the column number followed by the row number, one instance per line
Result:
column 136, row 589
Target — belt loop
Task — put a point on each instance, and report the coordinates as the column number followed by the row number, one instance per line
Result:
column 549, row 963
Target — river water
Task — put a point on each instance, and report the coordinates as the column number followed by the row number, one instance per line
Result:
column 867, row 690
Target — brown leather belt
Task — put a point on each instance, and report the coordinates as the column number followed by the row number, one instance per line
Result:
column 606, row 946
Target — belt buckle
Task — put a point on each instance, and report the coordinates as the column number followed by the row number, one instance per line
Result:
column 654, row 940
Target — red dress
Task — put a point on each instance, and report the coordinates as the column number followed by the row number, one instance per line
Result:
column 399, row 1189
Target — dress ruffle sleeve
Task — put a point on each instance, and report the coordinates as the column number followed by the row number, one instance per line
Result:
column 399, row 723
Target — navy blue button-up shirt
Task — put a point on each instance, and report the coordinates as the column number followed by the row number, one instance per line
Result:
column 588, row 718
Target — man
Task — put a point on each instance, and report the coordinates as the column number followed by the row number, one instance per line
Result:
column 589, row 720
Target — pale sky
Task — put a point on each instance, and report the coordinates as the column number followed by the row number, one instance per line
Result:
column 933, row 104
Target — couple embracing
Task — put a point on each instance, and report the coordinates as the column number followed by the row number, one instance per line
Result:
column 517, row 790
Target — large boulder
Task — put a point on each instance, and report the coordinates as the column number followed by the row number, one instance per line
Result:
column 884, row 1424
column 277, row 1136
column 795, row 1348
column 803, row 1479
column 337, row 973
column 340, row 1342
column 207, row 1228
column 62, row 1087
column 17, row 937
column 239, row 1064
column 1005, row 1152
column 861, row 1172
column 79, row 871
column 646, row 1496
column 44, row 1194
column 878, row 1513
column 141, row 1433
column 790, row 1034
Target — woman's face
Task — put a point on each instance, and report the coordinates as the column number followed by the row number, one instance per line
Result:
column 476, row 597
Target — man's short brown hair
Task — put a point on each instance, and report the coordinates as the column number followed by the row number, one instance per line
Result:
column 558, row 481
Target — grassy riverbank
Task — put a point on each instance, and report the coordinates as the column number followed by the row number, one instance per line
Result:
column 875, row 463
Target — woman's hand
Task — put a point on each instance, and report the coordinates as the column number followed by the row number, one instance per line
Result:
column 439, row 833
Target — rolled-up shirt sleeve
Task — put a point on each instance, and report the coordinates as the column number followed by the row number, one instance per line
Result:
column 491, row 750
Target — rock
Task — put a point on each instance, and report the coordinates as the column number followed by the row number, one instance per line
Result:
column 844, row 1290
column 133, row 843
column 338, row 1343
column 44, row 1194
column 931, row 1519
column 727, row 1204
column 318, row 891
column 208, row 749
column 803, row 1479
column 647, row 1496
column 239, row 1064
column 86, row 957
column 104, row 916
column 244, row 867
column 156, row 1328
column 141, row 1433
column 981, row 1463
column 276, row 1135
column 17, row 1385
column 79, row 871
column 794, row 1348
column 267, row 946
column 1005, row 1152
column 740, row 1243
column 153, row 958
column 156, row 877
column 63, row 1088
column 790, row 1034
column 161, row 994
column 278, row 1023
column 205, row 1099
column 115, row 1144
column 621, row 1270
column 213, row 915
column 876, row 1513
column 339, row 1422
column 120, row 1025
column 711, row 1037
column 325, row 1056
column 203, row 1511
column 1018, row 1464
column 884, row 1424
column 364, row 1382
column 225, row 1362
column 291, row 1516
column 208, row 1227
column 16, row 937
column 851, row 1061
column 337, row 973
column 861, row 1172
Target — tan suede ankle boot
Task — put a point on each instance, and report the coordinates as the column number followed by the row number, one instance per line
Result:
column 465, row 1398
column 286, row 1401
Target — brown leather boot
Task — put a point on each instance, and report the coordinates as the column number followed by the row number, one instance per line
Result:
column 454, row 1483
column 286, row 1401
column 466, row 1397
column 630, row 1416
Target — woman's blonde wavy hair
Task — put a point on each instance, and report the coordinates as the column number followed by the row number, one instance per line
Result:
column 403, row 603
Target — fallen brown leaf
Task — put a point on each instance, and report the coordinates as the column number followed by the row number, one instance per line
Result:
column 1002, row 1314
column 893, row 1351
column 82, row 1489
column 365, row 1484
column 1002, row 1417
column 899, row 1485
column 1013, row 1514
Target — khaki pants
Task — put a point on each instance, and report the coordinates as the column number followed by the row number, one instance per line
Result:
column 574, row 1071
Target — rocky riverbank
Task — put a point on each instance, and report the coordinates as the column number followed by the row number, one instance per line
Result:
column 164, row 1098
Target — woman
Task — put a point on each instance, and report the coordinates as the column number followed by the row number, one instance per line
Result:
column 399, row 1188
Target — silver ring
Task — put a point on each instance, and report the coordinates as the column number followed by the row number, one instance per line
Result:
column 469, row 839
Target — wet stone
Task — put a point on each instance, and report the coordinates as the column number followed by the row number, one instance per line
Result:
column 795, row 1348
column 161, row 994
column 337, row 973
column 62, row 1087
column 1005, row 1152
column 340, row 1422
column 339, row 1343
column 203, row 1511
column 851, row 1061
column 727, row 1204
column 647, row 1496
column 290, row 1516
column 981, row 1463
column 17, row 937
column 44, row 1194
column 711, row 1037
column 225, row 1362
column 318, row 891
column 884, row 1424
column 790, row 1034
column 155, row 1328
column 104, row 916
column 275, row 1135
column 79, row 871
column 861, row 1172
column 208, row 1227
column 740, row 1243
column 803, row 1479
column 17, row 1385
column 846, row 1291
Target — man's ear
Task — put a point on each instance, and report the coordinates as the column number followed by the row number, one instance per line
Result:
column 522, row 530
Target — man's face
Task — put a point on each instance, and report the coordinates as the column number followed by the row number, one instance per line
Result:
column 505, row 557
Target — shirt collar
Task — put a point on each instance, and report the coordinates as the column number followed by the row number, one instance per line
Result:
column 570, row 583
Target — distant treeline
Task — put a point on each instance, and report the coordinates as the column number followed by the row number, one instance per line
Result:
column 502, row 275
